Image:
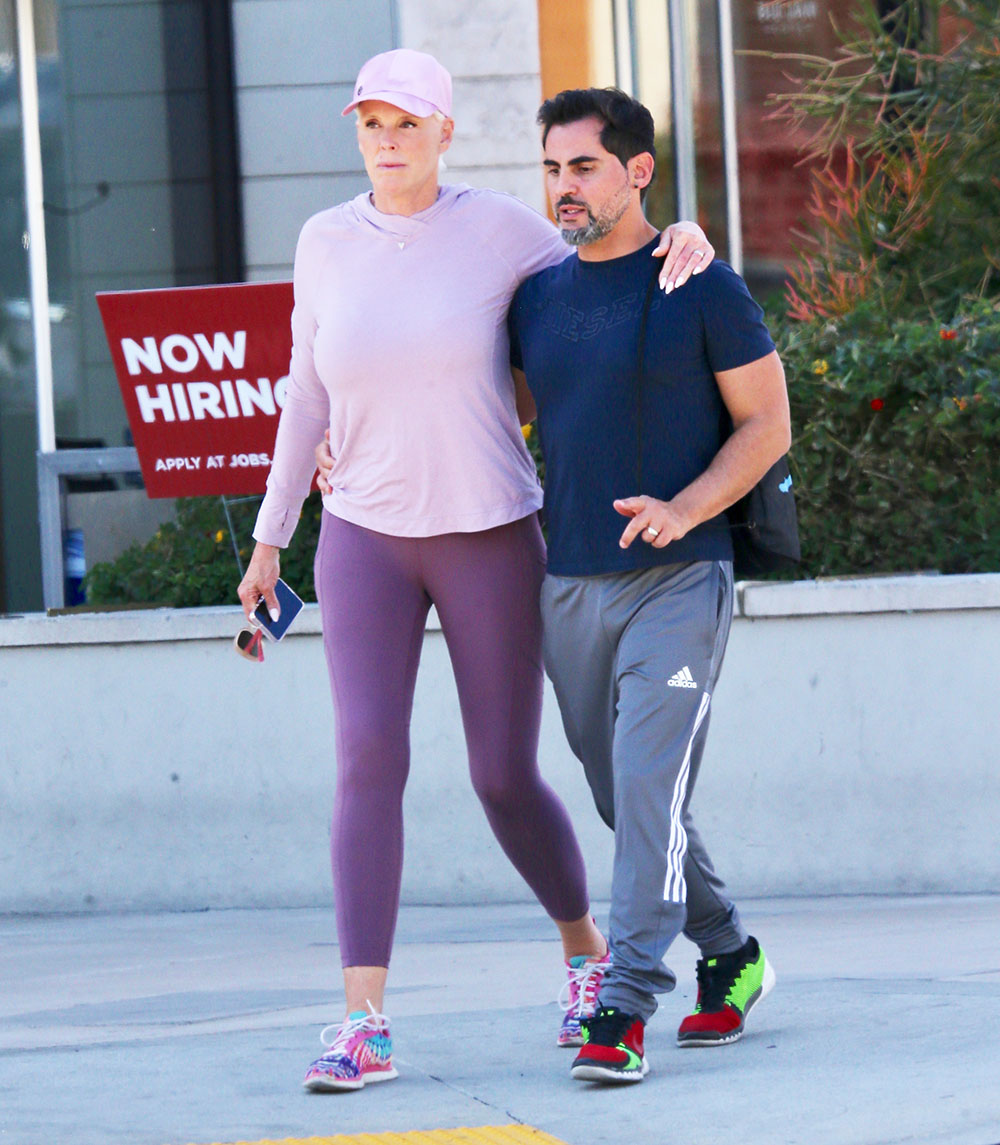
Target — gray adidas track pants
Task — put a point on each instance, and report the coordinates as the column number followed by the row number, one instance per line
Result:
column 634, row 658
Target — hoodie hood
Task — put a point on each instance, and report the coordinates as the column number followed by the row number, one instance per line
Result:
column 406, row 228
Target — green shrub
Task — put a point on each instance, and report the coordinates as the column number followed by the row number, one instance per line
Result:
column 191, row 561
column 896, row 449
column 891, row 343
column 896, row 460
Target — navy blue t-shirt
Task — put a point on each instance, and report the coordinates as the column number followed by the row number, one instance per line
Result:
column 574, row 331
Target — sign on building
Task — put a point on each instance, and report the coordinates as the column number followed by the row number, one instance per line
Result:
column 202, row 372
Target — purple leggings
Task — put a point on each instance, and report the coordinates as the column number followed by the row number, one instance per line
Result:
column 374, row 593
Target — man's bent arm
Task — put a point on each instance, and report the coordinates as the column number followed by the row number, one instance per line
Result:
column 757, row 401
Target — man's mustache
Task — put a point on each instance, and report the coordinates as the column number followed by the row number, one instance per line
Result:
column 569, row 201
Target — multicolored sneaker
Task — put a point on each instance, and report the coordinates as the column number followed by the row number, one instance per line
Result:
column 360, row 1053
column 729, row 986
column 612, row 1048
column 578, row 996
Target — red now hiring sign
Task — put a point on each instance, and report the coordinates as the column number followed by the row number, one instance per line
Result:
column 202, row 372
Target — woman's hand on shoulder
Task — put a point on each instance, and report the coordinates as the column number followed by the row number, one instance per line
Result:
column 685, row 250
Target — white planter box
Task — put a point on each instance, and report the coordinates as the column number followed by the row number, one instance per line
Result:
column 144, row 765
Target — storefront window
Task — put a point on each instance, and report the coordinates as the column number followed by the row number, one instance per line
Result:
column 632, row 48
column 774, row 187
column 19, row 552
column 138, row 159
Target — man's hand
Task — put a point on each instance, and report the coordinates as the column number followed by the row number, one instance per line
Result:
column 687, row 251
column 324, row 463
column 656, row 522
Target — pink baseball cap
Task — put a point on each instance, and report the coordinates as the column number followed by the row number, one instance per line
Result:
column 414, row 81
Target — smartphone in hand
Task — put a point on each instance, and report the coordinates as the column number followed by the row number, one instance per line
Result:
column 290, row 605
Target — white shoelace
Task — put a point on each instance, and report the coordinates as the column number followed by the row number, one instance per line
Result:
column 580, row 977
column 351, row 1026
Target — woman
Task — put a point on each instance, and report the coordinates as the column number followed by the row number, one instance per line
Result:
column 400, row 351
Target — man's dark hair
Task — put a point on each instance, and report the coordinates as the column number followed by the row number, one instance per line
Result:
column 628, row 126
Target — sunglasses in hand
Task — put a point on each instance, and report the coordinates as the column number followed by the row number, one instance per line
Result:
column 249, row 641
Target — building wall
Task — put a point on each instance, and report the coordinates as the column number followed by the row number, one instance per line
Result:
column 296, row 62
column 491, row 50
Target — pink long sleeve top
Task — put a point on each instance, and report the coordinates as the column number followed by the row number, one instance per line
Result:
column 400, row 348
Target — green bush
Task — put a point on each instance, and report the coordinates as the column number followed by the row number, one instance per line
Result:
column 891, row 342
column 191, row 561
column 896, row 426
column 896, row 461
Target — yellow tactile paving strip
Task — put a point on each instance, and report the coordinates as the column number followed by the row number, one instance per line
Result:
column 482, row 1135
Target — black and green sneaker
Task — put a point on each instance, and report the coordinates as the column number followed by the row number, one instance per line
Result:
column 612, row 1048
column 729, row 985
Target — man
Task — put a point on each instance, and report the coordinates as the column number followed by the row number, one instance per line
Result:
column 655, row 413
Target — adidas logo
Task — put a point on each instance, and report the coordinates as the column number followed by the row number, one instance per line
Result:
column 682, row 679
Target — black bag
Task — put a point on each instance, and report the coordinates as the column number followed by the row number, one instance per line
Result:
column 764, row 524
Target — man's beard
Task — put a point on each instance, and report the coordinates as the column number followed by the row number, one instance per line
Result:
column 597, row 225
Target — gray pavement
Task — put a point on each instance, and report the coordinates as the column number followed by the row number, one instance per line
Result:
column 167, row 1029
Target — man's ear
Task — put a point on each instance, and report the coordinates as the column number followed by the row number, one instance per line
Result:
column 447, row 132
column 640, row 169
